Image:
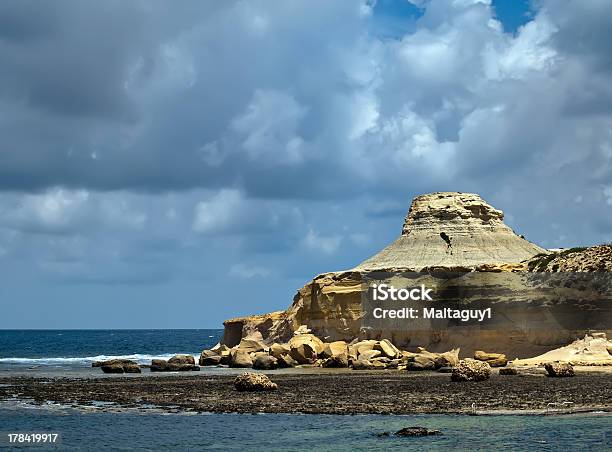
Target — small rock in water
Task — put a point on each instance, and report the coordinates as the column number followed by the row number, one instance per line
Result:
column 417, row 431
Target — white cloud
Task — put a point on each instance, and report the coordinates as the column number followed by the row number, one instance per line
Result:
column 268, row 128
column 219, row 212
column 327, row 244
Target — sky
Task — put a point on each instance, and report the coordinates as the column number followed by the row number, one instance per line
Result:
column 172, row 165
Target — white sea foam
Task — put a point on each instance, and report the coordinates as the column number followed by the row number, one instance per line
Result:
column 84, row 360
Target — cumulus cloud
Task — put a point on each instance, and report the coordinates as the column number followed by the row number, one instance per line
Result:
column 327, row 244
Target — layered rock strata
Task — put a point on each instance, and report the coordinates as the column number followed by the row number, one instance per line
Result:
column 443, row 232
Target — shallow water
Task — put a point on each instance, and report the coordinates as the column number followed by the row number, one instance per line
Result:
column 298, row 432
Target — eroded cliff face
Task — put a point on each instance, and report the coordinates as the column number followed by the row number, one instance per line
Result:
column 455, row 232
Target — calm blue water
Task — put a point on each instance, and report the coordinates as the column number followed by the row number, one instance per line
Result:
column 78, row 348
column 95, row 431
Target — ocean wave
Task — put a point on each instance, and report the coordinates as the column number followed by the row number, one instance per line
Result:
column 86, row 360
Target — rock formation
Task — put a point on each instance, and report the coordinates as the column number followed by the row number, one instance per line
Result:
column 443, row 232
column 559, row 369
column 254, row 382
column 591, row 350
column 471, row 370
column 453, row 231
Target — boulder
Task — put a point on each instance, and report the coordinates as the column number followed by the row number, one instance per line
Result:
column 508, row 371
column 182, row 359
column 559, row 369
column 112, row 362
column 305, row 348
column 449, row 358
column 265, row 362
column 286, row 361
column 251, row 345
column 277, row 350
column 387, row 349
column 209, row 358
column 492, row 359
column 362, row 346
column 112, row 369
column 240, row 358
column 213, row 360
column 369, row 354
column 254, row 382
column 334, row 349
column 422, row 362
column 471, row 370
column 161, row 365
column 118, row 366
column 340, row 360
column 255, row 355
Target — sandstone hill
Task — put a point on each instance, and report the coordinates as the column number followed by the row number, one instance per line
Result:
column 451, row 232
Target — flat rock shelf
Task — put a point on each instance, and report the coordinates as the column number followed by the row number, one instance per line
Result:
column 334, row 393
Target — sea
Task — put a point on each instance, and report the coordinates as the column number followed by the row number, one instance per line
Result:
column 61, row 353
column 70, row 352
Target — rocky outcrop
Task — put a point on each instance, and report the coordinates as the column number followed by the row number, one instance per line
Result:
column 591, row 350
column 443, row 232
column 559, row 369
column 471, row 370
column 593, row 259
column 254, row 382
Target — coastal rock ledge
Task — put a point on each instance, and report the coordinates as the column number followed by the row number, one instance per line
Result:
column 442, row 232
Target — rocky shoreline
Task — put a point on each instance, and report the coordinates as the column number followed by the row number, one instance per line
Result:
column 332, row 392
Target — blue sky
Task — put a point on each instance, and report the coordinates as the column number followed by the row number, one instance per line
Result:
column 171, row 167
